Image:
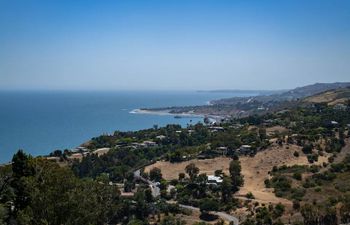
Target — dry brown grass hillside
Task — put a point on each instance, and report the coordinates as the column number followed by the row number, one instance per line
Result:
column 172, row 170
column 332, row 97
column 255, row 169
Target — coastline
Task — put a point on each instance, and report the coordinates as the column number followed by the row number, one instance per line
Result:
column 66, row 116
column 165, row 113
column 213, row 118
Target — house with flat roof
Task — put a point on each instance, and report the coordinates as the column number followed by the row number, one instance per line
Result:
column 150, row 143
column 101, row 151
column 161, row 137
column 245, row 149
column 212, row 179
column 222, row 150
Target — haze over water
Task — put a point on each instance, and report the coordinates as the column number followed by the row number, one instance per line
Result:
column 40, row 122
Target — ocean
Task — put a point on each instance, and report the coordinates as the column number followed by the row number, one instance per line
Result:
column 42, row 121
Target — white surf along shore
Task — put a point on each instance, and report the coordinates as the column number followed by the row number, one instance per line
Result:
column 189, row 114
column 165, row 113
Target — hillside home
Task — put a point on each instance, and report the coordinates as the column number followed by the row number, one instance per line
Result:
column 161, row 137
column 101, row 151
column 244, row 149
column 222, row 150
column 150, row 143
column 212, row 179
column 340, row 107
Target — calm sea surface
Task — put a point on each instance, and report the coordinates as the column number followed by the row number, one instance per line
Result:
column 40, row 122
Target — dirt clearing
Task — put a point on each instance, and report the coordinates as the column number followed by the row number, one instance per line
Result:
column 172, row 170
column 255, row 170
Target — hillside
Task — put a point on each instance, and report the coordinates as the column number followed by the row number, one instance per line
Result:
column 331, row 97
column 294, row 94
column 285, row 167
column 261, row 104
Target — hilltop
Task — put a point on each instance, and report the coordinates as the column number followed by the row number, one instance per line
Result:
column 331, row 97
column 294, row 94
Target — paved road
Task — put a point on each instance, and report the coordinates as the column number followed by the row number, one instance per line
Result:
column 154, row 187
column 227, row 217
column 156, row 192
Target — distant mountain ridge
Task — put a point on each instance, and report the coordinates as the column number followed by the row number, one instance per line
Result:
column 331, row 97
column 260, row 92
column 305, row 91
column 261, row 104
column 294, row 94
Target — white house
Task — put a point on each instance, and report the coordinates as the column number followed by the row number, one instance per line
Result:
column 161, row 137
column 212, row 179
column 101, row 151
column 150, row 143
column 244, row 149
column 334, row 123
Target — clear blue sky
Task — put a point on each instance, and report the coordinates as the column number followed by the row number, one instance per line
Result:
column 173, row 44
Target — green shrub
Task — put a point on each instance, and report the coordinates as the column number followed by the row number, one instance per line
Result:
column 312, row 158
column 296, row 205
column 281, row 183
column 296, row 154
column 278, row 210
column 314, row 169
column 298, row 193
column 250, row 195
column 297, row 176
column 307, row 149
column 309, row 183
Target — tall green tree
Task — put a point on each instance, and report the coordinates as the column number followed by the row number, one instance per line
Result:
column 235, row 174
column 155, row 174
column 21, row 168
column 226, row 190
column 58, row 197
column 208, row 204
column 192, row 170
column 310, row 214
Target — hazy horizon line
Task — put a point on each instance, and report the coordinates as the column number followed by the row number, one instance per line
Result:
column 136, row 90
column 70, row 89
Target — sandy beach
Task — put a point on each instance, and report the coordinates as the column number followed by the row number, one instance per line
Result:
column 212, row 118
column 164, row 113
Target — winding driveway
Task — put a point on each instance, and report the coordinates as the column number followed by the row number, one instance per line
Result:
column 153, row 185
column 156, row 192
